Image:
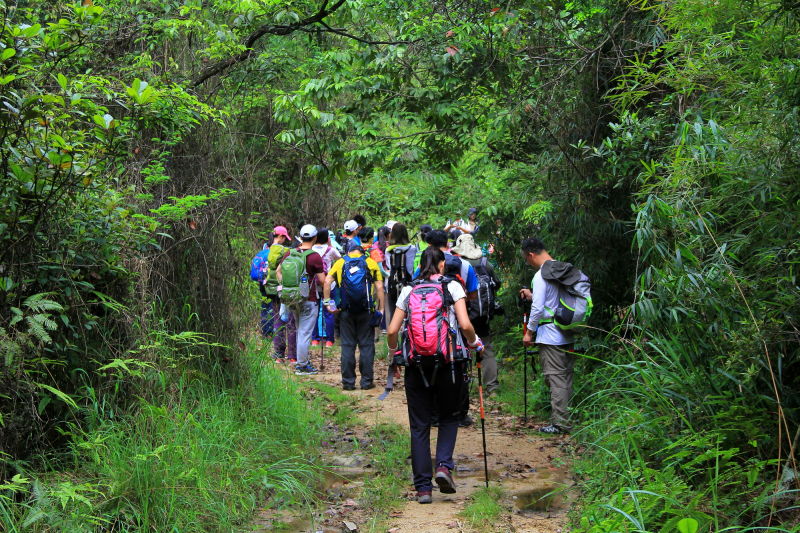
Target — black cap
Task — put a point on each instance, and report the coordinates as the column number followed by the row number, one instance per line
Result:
column 425, row 229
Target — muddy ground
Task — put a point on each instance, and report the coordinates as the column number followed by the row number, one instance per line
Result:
column 531, row 470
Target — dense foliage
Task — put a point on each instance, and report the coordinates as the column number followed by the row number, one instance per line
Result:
column 146, row 147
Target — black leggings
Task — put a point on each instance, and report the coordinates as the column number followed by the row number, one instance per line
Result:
column 443, row 397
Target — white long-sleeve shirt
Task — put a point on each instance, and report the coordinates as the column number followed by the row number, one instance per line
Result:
column 545, row 299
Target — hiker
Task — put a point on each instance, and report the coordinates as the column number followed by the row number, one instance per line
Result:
column 424, row 229
column 358, row 278
column 350, row 233
column 465, row 226
column 399, row 264
column 462, row 270
column 301, row 274
column 555, row 345
column 325, row 325
column 361, row 221
column 284, row 341
column 481, row 309
column 434, row 375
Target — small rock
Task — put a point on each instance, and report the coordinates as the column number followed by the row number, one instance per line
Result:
column 393, row 530
column 349, row 502
column 349, row 526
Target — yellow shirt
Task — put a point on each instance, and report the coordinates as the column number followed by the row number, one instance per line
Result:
column 336, row 269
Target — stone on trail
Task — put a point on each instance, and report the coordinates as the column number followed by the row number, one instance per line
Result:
column 349, row 526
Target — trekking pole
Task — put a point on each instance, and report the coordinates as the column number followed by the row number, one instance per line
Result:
column 483, row 422
column 525, row 372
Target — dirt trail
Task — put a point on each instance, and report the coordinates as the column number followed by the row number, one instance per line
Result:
column 531, row 470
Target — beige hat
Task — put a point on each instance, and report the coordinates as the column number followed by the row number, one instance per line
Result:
column 466, row 247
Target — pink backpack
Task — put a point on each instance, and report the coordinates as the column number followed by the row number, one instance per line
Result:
column 427, row 327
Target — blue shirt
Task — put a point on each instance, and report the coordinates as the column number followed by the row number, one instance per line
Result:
column 467, row 274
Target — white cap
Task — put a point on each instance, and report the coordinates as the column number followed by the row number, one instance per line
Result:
column 350, row 225
column 308, row 231
column 390, row 223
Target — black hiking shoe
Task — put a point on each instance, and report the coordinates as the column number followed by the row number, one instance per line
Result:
column 553, row 429
column 305, row 370
column 368, row 387
column 348, row 387
column 465, row 422
column 424, row 496
column 445, row 480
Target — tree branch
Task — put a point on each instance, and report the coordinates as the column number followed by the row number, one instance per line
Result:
column 338, row 31
column 271, row 29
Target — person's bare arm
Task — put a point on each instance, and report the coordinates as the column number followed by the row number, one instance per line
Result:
column 379, row 291
column 393, row 330
column 463, row 321
column 326, row 287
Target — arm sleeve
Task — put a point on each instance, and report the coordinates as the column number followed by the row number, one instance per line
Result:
column 537, row 303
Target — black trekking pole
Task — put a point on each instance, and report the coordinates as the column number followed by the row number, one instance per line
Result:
column 483, row 421
column 525, row 372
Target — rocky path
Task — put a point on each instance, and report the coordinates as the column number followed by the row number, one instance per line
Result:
column 530, row 470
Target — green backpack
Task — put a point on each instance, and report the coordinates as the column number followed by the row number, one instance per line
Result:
column 277, row 253
column 296, row 284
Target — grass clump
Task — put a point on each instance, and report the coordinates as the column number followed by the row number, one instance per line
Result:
column 387, row 450
column 202, row 462
column 484, row 508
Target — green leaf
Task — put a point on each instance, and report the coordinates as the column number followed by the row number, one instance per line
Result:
column 64, row 397
column 7, row 53
column 687, row 525
column 62, row 81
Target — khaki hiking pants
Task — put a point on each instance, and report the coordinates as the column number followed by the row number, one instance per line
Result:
column 557, row 364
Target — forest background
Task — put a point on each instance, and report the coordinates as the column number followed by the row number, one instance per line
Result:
column 148, row 147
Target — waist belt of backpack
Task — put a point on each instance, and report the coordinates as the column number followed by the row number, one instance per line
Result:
column 550, row 320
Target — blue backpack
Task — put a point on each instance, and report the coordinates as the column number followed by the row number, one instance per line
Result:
column 356, row 290
column 258, row 266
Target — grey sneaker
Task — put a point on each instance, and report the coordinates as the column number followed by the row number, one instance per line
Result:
column 424, row 496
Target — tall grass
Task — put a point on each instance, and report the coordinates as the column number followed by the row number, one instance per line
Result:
column 673, row 440
column 201, row 462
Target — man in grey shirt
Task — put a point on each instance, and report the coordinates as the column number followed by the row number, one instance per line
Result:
column 555, row 345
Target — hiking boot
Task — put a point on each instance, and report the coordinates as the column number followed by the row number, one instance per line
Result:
column 445, row 480
column 305, row 370
column 368, row 387
column 553, row 429
column 292, row 360
column 348, row 387
column 329, row 344
column 424, row 496
column 465, row 422
column 314, row 343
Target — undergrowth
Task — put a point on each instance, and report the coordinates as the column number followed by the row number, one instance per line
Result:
column 201, row 461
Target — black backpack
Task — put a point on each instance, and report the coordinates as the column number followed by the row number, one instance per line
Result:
column 398, row 271
column 484, row 305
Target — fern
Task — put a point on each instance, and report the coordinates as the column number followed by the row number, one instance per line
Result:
column 38, row 303
column 37, row 315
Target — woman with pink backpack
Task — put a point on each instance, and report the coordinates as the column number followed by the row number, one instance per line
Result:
column 430, row 313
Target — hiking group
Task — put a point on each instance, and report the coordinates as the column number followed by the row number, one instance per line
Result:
column 434, row 299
